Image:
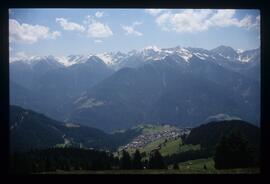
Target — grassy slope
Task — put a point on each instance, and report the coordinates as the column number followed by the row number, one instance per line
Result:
column 169, row 171
column 189, row 167
column 170, row 147
column 176, row 146
column 197, row 165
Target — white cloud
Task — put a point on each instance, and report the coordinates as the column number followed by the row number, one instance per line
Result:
column 258, row 19
column 55, row 34
column 163, row 19
column 130, row 29
column 201, row 20
column 154, row 12
column 246, row 22
column 224, row 18
column 99, row 14
column 29, row 34
column 186, row 21
column 98, row 30
column 70, row 26
column 98, row 41
column 257, row 23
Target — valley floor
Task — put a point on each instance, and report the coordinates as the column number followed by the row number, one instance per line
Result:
column 189, row 167
column 169, row 171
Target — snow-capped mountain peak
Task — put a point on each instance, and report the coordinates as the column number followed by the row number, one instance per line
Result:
column 153, row 48
column 33, row 60
column 111, row 58
column 249, row 56
column 134, row 58
column 240, row 51
column 73, row 59
column 184, row 53
column 106, row 57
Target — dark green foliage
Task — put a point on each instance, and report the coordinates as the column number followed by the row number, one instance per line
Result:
column 125, row 161
column 145, row 164
column 136, row 162
column 183, row 137
column 175, row 166
column 31, row 130
column 156, row 161
column 208, row 135
column 20, row 163
column 143, row 154
column 233, row 151
column 60, row 159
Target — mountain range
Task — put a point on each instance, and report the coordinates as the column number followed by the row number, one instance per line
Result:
column 109, row 91
column 135, row 58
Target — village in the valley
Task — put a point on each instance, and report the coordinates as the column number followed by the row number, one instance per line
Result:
column 144, row 139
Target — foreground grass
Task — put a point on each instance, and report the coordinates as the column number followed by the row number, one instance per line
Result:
column 189, row 167
column 169, row 171
column 207, row 165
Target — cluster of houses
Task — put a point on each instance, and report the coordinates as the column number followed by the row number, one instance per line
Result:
column 144, row 139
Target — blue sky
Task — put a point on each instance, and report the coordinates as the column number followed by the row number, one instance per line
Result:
column 61, row 32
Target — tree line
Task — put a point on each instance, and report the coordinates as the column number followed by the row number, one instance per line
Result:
column 69, row 159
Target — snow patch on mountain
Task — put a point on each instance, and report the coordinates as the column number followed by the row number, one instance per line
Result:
column 244, row 59
column 240, row 51
column 153, row 48
column 73, row 59
column 201, row 56
column 184, row 53
column 65, row 61
column 106, row 57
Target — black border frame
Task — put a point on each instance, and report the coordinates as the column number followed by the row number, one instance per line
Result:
column 202, row 4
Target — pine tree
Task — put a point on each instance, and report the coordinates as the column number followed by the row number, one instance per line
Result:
column 175, row 166
column 233, row 151
column 137, row 163
column 156, row 161
column 125, row 161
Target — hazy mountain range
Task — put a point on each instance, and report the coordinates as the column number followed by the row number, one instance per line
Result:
column 180, row 86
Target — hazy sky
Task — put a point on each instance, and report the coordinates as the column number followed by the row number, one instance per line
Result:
column 63, row 32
